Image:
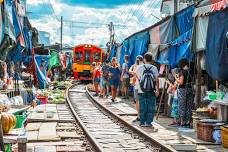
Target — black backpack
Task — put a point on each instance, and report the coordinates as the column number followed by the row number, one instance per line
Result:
column 147, row 83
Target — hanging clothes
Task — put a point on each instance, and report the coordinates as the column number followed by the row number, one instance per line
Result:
column 161, row 35
column 216, row 46
column 53, row 60
column 118, row 52
column 200, row 33
column 124, row 51
column 8, row 18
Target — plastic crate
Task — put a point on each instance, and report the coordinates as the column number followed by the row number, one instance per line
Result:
column 204, row 131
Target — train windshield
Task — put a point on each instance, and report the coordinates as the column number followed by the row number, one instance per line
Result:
column 78, row 56
column 87, row 55
column 97, row 56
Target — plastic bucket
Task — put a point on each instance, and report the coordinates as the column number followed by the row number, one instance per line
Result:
column 43, row 99
column 8, row 148
column 20, row 120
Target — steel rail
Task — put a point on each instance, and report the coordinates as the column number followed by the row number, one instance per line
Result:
column 164, row 148
column 92, row 140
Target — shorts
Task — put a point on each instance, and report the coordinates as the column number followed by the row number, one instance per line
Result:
column 136, row 96
column 126, row 82
column 104, row 82
column 97, row 80
column 114, row 83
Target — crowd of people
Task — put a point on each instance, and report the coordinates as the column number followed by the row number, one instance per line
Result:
column 143, row 77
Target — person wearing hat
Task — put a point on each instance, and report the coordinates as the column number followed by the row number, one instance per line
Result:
column 134, row 81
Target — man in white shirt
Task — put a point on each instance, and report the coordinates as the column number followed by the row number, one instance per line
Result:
column 147, row 100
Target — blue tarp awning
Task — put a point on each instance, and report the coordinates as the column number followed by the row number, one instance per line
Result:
column 112, row 52
column 123, row 51
column 217, row 46
column 41, row 78
column 140, row 46
column 184, row 20
column 180, row 48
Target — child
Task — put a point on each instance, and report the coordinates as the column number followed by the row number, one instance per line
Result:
column 97, row 78
column 173, row 91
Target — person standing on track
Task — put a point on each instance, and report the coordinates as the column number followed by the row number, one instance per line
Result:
column 114, row 75
column 147, row 75
column 125, row 77
column 135, row 83
column 104, row 79
column 97, row 77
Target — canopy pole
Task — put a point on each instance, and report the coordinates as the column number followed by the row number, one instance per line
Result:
column 162, row 95
column 198, row 82
column 217, row 85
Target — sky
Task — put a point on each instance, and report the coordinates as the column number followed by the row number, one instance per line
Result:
column 85, row 21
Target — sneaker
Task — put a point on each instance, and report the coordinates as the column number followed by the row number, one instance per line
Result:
column 113, row 100
column 136, row 120
column 101, row 96
column 149, row 126
column 142, row 125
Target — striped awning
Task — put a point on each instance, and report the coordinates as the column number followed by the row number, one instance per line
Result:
column 211, row 6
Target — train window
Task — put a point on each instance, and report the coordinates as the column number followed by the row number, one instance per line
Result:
column 78, row 55
column 97, row 56
column 87, row 56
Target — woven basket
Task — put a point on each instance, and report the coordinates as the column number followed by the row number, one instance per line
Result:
column 225, row 137
column 195, row 120
column 204, row 131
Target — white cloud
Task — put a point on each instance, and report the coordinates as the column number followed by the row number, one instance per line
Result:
column 74, row 35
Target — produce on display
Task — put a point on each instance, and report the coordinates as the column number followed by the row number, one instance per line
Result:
column 56, row 97
column 8, row 122
column 204, row 109
column 4, row 103
column 4, row 108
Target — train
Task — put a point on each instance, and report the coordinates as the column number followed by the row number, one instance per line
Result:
column 83, row 57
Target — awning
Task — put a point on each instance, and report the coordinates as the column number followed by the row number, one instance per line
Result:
column 216, row 46
column 205, row 9
column 180, row 49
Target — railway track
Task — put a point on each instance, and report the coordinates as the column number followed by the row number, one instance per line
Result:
column 106, row 131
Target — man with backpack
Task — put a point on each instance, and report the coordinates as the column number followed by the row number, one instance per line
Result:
column 148, row 90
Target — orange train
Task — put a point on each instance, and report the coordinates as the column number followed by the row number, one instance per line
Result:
column 83, row 56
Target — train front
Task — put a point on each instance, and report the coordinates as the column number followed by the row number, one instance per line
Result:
column 84, row 56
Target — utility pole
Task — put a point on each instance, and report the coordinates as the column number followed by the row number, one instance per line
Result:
column 61, row 34
column 176, row 2
column 112, row 35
